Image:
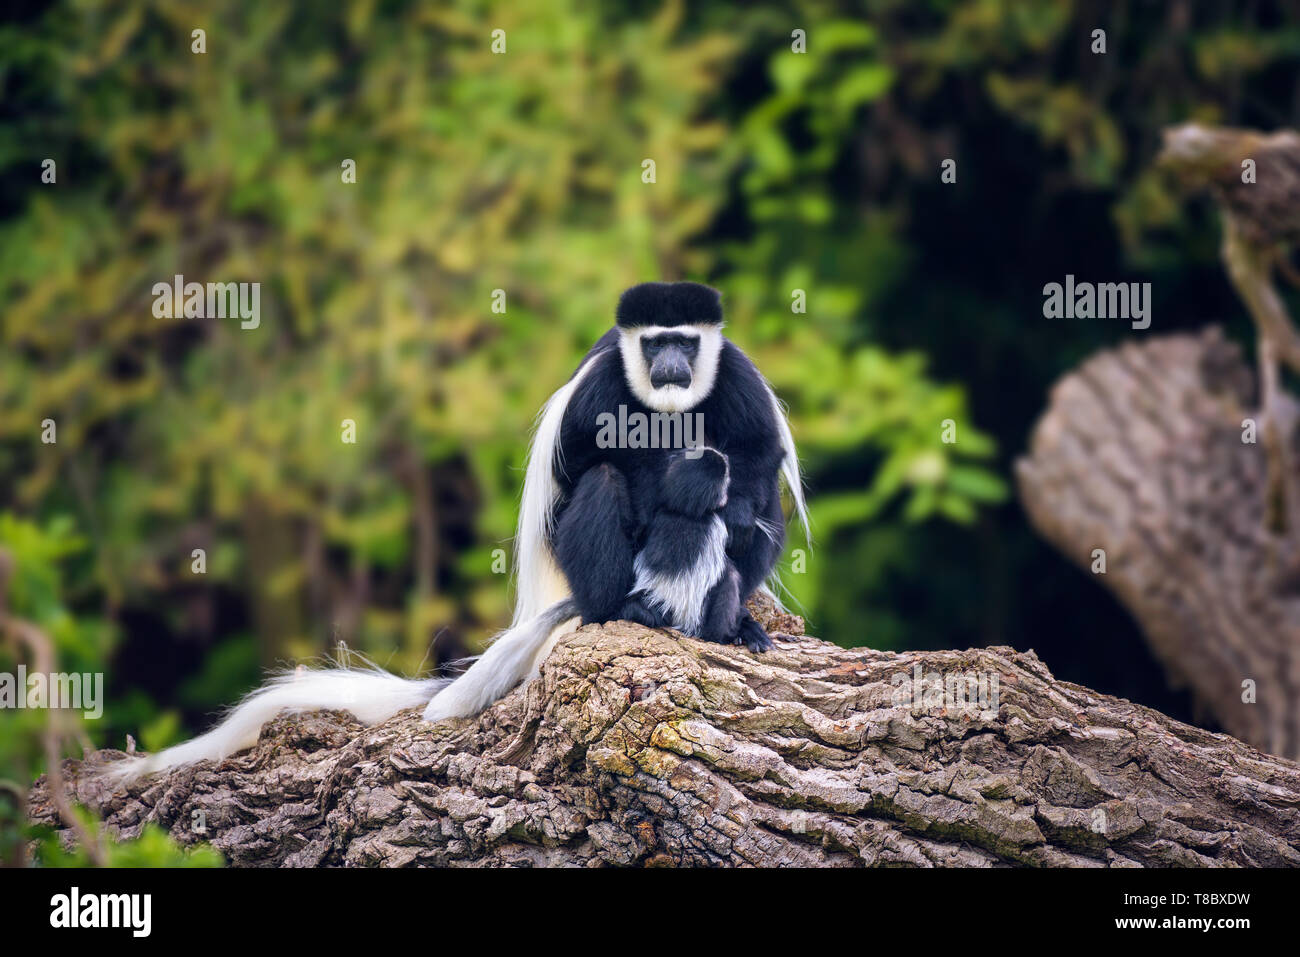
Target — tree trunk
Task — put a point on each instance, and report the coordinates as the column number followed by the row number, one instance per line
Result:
column 636, row 747
column 1141, row 455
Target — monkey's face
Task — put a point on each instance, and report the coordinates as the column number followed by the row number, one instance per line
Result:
column 671, row 369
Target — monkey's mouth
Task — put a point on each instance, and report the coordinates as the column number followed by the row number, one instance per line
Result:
column 670, row 380
column 670, row 398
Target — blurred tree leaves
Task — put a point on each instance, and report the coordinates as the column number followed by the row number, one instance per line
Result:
column 153, row 848
column 475, row 171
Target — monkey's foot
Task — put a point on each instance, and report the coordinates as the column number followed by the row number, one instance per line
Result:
column 634, row 609
column 752, row 635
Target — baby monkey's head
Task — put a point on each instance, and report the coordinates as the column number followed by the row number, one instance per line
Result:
column 695, row 482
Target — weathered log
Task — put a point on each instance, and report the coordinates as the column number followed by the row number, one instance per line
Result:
column 638, row 747
column 1141, row 454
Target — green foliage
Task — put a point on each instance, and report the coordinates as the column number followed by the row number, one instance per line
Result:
column 37, row 591
column 153, row 848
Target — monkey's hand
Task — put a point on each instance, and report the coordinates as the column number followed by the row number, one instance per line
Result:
column 738, row 514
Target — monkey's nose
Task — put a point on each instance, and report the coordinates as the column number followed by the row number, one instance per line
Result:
column 670, row 369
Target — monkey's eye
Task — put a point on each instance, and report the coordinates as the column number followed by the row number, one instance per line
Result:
column 687, row 345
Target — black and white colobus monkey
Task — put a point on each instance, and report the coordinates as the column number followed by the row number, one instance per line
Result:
column 586, row 504
column 586, row 548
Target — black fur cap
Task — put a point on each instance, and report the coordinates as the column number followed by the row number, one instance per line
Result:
column 669, row 304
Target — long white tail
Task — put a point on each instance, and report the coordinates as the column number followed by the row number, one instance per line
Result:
column 513, row 656
column 370, row 694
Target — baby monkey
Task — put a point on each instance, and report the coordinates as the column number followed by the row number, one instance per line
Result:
column 684, row 579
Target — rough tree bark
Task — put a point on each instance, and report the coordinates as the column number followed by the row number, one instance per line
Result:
column 636, row 747
column 1141, row 454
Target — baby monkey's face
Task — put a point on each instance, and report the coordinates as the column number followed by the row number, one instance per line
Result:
column 696, row 481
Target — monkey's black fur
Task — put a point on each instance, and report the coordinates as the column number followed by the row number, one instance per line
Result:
column 669, row 304
column 595, row 537
column 695, row 483
column 608, row 495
